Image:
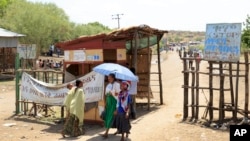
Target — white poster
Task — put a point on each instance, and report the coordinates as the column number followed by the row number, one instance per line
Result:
column 51, row 94
column 27, row 51
column 79, row 55
column 222, row 42
column 74, row 55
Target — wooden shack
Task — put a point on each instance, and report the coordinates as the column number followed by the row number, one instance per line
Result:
column 128, row 46
column 8, row 49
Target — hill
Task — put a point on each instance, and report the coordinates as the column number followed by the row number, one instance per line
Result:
column 184, row 36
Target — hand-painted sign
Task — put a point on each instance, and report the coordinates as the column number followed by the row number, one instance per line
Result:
column 222, row 42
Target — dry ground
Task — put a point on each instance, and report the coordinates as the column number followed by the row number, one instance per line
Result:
column 161, row 123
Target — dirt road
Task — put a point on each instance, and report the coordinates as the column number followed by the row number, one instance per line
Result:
column 162, row 123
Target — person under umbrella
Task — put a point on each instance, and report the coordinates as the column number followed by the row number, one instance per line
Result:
column 122, row 122
column 111, row 92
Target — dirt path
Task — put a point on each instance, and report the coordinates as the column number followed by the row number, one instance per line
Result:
column 162, row 123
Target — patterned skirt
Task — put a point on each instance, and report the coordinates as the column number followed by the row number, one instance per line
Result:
column 122, row 123
column 71, row 127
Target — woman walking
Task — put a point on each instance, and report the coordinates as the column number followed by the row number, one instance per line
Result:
column 74, row 103
column 111, row 92
column 122, row 112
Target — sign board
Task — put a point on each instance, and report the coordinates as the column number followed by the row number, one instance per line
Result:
column 74, row 55
column 27, row 51
column 52, row 94
column 121, row 54
column 94, row 54
column 222, row 42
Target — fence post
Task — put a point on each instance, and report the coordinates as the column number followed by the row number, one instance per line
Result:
column 221, row 98
column 197, row 63
column 192, row 92
column 17, row 65
column 211, row 104
column 231, row 87
column 246, row 84
column 236, row 91
column 186, row 80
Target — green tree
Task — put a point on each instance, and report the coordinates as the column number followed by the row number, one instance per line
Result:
column 89, row 29
column 44, row 23
column 245, row 38
column 3, row 6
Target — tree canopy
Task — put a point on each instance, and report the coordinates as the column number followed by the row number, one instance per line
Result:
column 245, row 38
column 3, row 6
column 43, row 23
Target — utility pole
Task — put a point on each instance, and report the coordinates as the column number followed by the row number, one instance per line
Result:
column 117, row 17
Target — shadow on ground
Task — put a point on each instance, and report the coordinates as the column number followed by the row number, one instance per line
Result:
column 110, row 138
column 91, row 129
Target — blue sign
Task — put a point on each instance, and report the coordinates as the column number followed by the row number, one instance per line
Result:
column 222, row 42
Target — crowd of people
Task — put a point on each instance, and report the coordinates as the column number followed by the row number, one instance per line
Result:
column 119, row 107
column 48, row 64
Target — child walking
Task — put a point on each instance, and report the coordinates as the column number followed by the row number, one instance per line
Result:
column 122, row 112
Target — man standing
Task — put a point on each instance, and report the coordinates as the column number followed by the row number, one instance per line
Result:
column 132, row 92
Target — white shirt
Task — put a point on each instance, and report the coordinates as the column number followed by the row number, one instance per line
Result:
column 133, row 87
column 113, row 88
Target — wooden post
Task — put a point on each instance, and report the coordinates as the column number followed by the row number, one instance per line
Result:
column 186, row 80
column 197, row 63
column 236, row 91
column 159, row 70
column 211, row 113
column 57, row 81
column 149, row 64
column 231, row 87
column 137, row 45
column 192, row 93
column 221, row 98
column 246, row 84
column 46, row 110
column 46, row 77
column 52, row 77
column 38, row 74
column 17, row 66
column 35, row 109
column 62, row 112
column 4, row 59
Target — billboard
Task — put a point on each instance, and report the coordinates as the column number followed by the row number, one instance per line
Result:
column 222, row 42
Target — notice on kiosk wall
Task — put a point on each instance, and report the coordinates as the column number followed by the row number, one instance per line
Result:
column 74, row 55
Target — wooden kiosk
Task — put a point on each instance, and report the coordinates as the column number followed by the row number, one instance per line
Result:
column 128, row 46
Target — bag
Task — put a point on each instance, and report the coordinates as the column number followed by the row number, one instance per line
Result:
column 102, row 116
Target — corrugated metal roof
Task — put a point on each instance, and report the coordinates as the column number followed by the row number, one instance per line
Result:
column 7, row 33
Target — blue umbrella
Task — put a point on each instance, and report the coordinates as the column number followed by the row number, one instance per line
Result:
column 120, row 71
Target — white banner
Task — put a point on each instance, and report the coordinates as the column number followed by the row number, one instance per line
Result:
column 52, row 94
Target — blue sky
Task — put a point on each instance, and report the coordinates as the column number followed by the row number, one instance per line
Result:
column 190, row 15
